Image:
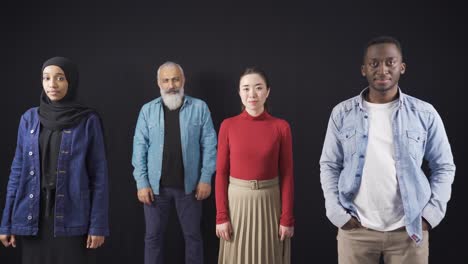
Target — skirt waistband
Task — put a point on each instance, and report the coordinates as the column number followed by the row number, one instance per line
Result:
column 254, row 184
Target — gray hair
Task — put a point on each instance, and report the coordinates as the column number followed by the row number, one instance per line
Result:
column 170, row 64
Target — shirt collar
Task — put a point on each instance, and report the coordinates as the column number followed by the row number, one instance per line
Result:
column 360, row 103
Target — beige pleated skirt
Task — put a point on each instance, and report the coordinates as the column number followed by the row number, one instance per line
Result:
column 255, row 209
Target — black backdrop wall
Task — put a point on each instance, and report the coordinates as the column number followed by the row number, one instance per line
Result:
column 311, row 52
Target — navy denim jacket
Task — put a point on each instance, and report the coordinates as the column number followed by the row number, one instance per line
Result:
column 81, row 200
column 418, row 134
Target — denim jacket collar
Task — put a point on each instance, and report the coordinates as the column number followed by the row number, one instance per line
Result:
column 360, row 101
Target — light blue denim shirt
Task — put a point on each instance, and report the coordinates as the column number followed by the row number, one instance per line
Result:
column 198, row 139
column 418, row 133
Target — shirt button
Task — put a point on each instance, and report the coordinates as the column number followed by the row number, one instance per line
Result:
column 362, row 156
column 364, row 136
column 31, row 173
column 31, row 196
column 29, row 217
column 358, row 175
column 365, row 116
column 30, row 153
column 32, row 131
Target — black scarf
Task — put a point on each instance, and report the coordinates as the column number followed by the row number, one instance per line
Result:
column 64, row 113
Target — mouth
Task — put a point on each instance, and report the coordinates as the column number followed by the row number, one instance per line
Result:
column 382, row 81
column 53, row 92
column 172, row 92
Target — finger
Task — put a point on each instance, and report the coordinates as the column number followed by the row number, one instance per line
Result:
column 88, row 241
column 152, row 196
column 201, row 195
column 98, row 242
column 13, row 241
column 197, row 192
column 93, row 242
column 147, row 199
column 5, row 242
column 228, row 236
column 217, row 233
column 283, row 235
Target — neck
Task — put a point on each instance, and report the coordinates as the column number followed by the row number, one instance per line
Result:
column 382, row 97
column 255, row 112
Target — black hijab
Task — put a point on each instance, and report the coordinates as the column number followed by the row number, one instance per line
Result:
column 64, row 113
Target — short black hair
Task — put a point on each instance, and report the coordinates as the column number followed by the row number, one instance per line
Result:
column 259, row 71
column 383, row 40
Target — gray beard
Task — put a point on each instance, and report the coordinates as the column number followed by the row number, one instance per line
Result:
column 172, row 101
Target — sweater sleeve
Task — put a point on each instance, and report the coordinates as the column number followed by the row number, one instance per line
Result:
column 286, row 176
column 222, row 175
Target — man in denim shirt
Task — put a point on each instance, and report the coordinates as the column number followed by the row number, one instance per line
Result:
column 174, row 156
column 375, row 190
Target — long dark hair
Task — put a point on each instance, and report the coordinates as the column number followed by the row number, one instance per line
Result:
column 262, row 74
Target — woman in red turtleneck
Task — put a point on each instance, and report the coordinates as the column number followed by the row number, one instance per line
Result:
column 254, row 180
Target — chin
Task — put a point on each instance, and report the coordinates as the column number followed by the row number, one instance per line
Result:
column 383, row 89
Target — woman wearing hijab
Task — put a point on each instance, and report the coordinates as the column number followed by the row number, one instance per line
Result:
column 254, row 180
column 57, row 193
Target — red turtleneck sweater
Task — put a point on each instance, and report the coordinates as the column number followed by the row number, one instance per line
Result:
column 255, row 148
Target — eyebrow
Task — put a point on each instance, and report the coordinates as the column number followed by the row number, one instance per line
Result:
column 46, row 73
column 247, row 85
column 383, row 58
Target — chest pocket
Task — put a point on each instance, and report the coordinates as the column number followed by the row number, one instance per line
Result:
column 348, row 139
column 154, row 132
column 416, row 143
column 194, row 130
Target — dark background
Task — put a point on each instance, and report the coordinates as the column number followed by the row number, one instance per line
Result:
column 312, row 53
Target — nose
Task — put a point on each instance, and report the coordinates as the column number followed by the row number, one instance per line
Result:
column 383, row 69
column 170, row 84
column 252, row 93
column 52, row 83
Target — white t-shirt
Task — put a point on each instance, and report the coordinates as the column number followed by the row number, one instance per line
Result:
column 378, row 201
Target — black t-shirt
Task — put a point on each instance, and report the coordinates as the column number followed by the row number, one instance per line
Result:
column 172, row 172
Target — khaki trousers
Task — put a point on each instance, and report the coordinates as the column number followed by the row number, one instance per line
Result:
column 364, row 246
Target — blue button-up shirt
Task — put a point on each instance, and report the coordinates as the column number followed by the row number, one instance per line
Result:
column 81, row 196
column 418, row 133
column 198, row 140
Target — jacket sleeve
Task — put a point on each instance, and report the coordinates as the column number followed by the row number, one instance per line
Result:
column 208, row 147
column 98, row 174
column 439, row 156
column 331, row 165
column 140, row 152
column 13, row 182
